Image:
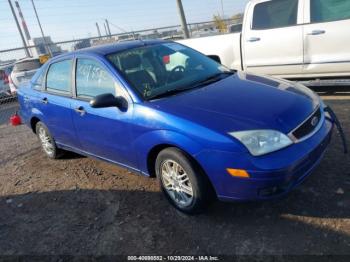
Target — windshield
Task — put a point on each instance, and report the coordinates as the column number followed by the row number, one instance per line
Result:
column 157, row 70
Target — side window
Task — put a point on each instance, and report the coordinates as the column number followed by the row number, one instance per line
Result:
column 92, row 79
column 329, row 10
column 275, row 14
column 59, row 77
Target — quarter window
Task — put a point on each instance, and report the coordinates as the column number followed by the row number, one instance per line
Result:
column 275, row 14
column 329, row 10
column 38, row 83
column 59, row 77
column 92, row 79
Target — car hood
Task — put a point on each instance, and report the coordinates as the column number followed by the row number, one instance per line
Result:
column 243, row 102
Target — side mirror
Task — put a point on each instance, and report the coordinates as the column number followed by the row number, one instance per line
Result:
column 215, row 58
column 109, row 100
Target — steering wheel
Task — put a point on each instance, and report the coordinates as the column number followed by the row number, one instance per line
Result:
column 176, row 69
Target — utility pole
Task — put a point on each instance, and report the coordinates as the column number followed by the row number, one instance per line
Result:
column 24, row 24
column 222, row 10
column 19, row 30
column 48, row 49
column 108, row 28
column 104, row 24
column 182, row 18
column 98, row 30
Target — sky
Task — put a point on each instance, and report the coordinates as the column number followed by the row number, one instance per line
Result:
column 73, row 19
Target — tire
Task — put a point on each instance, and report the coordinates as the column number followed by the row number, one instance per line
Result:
column 189, row 179
column 48, row 144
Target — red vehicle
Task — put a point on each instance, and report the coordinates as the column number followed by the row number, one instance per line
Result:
column 5, row 72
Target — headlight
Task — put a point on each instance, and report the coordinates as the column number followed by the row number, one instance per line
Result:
column 260, row 142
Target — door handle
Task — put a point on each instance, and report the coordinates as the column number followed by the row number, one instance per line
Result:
column 26, row 98
column 44, row 100
column 317, row 32
column 80, row 110
column 253, row 39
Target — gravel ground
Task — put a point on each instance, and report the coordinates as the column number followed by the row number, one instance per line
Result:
column 82, row 206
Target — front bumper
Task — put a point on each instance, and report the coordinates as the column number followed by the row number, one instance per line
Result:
column 271, row 175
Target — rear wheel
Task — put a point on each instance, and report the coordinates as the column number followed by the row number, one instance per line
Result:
column 47, row 142
column 182, row 182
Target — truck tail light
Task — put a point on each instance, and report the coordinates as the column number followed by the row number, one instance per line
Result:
column 8, row 79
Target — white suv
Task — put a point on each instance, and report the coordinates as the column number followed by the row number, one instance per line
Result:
column 22, row 72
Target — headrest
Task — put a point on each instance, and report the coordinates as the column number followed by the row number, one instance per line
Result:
column 130, row 62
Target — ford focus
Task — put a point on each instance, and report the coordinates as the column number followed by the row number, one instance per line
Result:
column 164, row 110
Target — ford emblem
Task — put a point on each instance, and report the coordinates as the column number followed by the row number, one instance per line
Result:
column 314, row 121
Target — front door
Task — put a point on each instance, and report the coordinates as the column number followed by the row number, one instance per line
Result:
column 103, row 132
column 327, row 37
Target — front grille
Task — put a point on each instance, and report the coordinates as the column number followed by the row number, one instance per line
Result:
column 308, row 126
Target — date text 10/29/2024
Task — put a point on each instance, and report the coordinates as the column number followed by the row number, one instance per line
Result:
column 173, row 258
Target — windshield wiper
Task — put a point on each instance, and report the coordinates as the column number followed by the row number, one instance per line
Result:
column 209, row 80
column 169, row 92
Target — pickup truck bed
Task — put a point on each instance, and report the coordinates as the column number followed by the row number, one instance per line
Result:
column 304, row 40
column 227, row 47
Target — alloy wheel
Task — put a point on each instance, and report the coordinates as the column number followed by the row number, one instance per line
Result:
column 46, row 141
column 176, row 183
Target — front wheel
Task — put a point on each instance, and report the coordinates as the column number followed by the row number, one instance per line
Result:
column 47, row 142
column 183, row 183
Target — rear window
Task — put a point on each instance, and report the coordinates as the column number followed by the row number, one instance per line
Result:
column 329, row 10
column 27, row 65
column 275, row 14
column 59, row 77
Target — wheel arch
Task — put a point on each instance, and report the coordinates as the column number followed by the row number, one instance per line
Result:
column 152, row 156
column 154, row 152
column 33, row 121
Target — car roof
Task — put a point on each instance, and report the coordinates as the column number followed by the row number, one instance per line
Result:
column 113, row 48
column 26, row 59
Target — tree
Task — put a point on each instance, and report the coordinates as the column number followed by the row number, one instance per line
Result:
column 220, row 24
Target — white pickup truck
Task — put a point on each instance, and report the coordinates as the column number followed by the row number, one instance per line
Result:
column 292, row 39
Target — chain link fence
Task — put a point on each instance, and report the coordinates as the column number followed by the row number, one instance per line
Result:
column 8, row 107
column 8, row 57
column 200, row 29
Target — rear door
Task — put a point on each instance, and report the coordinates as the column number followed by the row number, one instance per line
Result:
column 56, row 102
column 30, row 99
column 327, row 37
column 103, row 132
column 272, row 39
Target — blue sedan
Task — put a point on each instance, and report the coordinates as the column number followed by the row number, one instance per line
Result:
column 162, row 109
